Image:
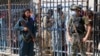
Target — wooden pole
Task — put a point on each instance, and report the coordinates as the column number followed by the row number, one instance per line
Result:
column 39, row 11
column 9, row 25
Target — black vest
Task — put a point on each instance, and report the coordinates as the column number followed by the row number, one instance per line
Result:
column 79, row 24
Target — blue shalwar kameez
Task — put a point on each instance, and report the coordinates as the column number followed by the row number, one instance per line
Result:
column 26, row 46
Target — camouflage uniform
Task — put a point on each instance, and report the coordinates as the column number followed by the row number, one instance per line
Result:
column 46, row 34
column 77, row 42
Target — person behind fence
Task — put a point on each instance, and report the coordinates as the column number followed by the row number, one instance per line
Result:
column 72, row 14
column 47, row 23
column 58, row 35
column 77, row 35
column 88, row 18
column 27, row 33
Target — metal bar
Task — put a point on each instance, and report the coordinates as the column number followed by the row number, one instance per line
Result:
column 9, row 26
column 60, row 2
column 39, row 11
column 13, row 4
column 87, row 4
column 95, row 7
column 94, row 25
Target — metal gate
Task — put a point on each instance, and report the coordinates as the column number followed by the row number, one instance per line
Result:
column 96, row 34
column 57, row 37
column 49, row 39
column 97, row 28
column 10, row 12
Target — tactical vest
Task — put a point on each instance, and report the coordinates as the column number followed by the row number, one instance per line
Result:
column 79, row 24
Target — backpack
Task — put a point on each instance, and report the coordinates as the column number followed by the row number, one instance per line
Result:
column 79, row 24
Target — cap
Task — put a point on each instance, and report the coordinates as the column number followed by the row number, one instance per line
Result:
column 59, row 6
column 80, row 6
column 75, row 7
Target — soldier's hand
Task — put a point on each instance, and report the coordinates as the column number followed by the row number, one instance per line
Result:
column 25, row 28
column 84, row 39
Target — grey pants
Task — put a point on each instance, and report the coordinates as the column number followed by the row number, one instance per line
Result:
column 77, row 45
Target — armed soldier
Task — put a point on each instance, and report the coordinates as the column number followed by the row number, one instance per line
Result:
column 77, row 35
column 47, row 23
column 27, row 33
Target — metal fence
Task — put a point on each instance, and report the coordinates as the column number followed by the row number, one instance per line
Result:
column 58, row 38
column 52, row 41
column 97, row 28
column 10, row 12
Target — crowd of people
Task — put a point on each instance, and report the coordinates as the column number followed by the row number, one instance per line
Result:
column 61, row 35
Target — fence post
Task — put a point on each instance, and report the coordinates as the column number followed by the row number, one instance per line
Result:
column 95, row 5
column 39, row 11
column 9, row 25
column 87, row 4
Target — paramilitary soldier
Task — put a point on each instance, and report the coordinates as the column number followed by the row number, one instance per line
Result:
column 27, row 33
column 77, row 34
